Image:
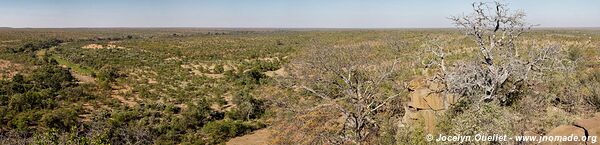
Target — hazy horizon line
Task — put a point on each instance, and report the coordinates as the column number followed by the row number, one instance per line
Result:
column 145, row 27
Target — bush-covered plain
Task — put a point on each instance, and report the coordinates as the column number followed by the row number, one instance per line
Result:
column 205, row 86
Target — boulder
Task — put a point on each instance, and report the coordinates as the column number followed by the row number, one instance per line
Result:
column 588, row 123
column 412, row 114
column 421, row 92
column 407, row 120
column 565, row 130
column 435, row 101
column 592, row 125
column 417, row 99
column 594, row 132
column 416, row 83
column 435, row 86
column 429, row 120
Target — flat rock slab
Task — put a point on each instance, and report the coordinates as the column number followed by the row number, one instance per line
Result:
column 565, row 130
column 592, row 126
column 435, row 101
column 429, row 119
column 588, row 123
column 417, row 99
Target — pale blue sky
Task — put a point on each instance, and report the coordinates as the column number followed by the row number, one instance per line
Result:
column 278, row 13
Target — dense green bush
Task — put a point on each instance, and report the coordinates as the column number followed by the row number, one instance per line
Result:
column 62, row 119
column 52, row 77
column 34, row 100
column 31, row 100
column 23, row 120
column 247, row 107
column 31, row 47
column 244, row 78
column 220, row 131
column 106, row 75
column 266, row 65
column 199, row 114
column 219, row 69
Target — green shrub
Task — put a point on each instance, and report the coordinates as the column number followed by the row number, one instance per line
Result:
column 62, row 119
column 74, row 93
column 247, row 107
column 23, row 120
column 31, row 100
column 106, row 75
column 52, row 76
column 219, row 69
column 16, row 86
column 121, row 118
column 250, row 77
column 267, row 65
column 199, row 114
column 34, row 46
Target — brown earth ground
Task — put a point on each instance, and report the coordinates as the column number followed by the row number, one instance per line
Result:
column 258, row 137
column 9, row 69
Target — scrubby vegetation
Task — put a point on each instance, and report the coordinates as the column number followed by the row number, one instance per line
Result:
column 203, row 86
column 129, row 95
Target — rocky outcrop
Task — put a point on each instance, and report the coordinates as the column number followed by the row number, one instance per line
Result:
column 582, row 127
column 427, row 103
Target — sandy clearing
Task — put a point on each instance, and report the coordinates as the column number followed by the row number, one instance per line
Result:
column 98, row 46
column 9, row 69
column 214, row 76
column 279, row 72
column 118, row 92
column 83, row 78
column 258, row 137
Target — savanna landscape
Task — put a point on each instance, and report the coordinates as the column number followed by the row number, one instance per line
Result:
column 494, row 73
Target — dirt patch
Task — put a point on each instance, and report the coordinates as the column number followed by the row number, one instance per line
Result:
column 258, row 137
column 83, row 78
column 93, row 46
column 173, row 59
column 9, row 69
column 98, row 46
column 265, row 59
column 119, row 91
column 182, row 106
column 228, row 106
column 87, row 117
column 4, row 64
column 10, row 41
column 208, row 66
column 152, row 81
column 214, row 76
column 279, row 72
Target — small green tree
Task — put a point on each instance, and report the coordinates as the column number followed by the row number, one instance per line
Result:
column 107, row 75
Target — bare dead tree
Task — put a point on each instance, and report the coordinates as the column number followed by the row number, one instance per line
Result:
column 350, row 80
column 500, row 65
column 438, row 55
